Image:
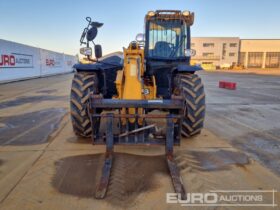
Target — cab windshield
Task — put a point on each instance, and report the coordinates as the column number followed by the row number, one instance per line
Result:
column 167, row 39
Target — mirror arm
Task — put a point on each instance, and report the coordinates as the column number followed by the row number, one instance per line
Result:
column 83, row 36
column 85, row 32
column 90, row 59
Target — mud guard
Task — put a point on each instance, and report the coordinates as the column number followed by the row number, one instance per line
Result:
column 113, row 62
column 188, row 68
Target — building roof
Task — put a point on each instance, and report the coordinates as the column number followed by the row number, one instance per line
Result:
column 217, row 37
column 210, row 37
column 261, row 39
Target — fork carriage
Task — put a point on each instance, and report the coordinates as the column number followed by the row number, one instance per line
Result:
column 140, row 135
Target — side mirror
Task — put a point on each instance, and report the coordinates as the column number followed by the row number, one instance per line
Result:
column 140, row 37
column 91, row 34
column 190, row 52
column 98, row 51
column 86, row 51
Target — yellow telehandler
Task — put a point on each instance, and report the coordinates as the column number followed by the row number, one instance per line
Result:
column 153, row 73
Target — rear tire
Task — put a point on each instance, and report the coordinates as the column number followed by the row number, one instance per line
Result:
column 191, row 88
column 82, row 85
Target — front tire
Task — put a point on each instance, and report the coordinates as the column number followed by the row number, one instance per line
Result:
column 191, row 88
column 82, row 85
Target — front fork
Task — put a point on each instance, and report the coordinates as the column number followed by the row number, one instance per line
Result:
column 169, row 144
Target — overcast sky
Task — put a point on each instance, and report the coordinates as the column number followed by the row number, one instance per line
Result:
column 57, row 24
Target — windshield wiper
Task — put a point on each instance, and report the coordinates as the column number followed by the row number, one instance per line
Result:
column 173, row 53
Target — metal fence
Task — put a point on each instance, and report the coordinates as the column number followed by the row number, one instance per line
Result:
column 18, row 61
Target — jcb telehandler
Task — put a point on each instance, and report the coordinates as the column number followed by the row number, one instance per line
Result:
column 153, row 73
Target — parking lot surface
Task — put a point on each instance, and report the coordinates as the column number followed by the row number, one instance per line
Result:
column 43, row 165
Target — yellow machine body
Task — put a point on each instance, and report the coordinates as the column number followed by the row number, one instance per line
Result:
column 130, row 83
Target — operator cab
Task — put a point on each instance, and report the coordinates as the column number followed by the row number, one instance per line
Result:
column 167, row 36
column 167, row 47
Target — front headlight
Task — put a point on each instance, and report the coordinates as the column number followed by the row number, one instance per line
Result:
column 86, row 51
column 140, row 37
column 190, row 52
column 186, row 13
column 151, row 13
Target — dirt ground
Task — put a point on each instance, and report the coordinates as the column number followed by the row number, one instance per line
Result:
column 43, row 165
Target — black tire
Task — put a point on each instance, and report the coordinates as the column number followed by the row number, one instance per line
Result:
column 192, row 90
column 82, row 85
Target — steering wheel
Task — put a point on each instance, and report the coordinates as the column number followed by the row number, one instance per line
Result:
column 172, row 46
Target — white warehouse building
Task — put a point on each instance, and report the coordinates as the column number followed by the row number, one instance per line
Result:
column 224, row 52
column 217, row 51
column 260, row 53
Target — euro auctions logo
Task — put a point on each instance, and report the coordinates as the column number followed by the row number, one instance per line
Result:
column 7, row 60
column 237, row 198
column 50, row 62
column 15, row 60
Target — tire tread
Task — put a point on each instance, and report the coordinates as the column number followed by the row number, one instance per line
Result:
column 82, row 85
column 192, row 91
